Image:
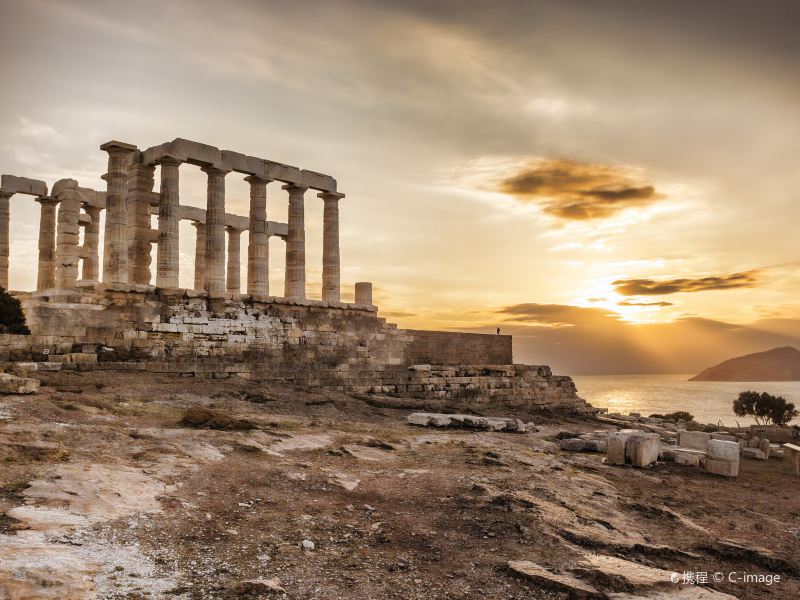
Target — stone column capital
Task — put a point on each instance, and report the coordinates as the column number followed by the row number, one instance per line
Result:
column 330, row 196
column 198, row 224
column 5, row 195
column 212, row 170
column 47, row 200
column 233, row 230
column 116, row 148
column 255, row 180
column 169, row 161
column 295, row 189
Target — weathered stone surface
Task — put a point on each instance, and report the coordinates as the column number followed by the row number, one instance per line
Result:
column 722, row 450
column 562, row 583
column 22, row 185
column 689, row 456
column 643, row 450
column 579, row 445
column 727, row 468
column 11, row 384
column 467, row 422
column 619, row 569
column 694, row 439
column 753, row 453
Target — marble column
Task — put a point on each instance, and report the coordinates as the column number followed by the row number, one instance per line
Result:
column 140, row 237
column 233, row 284
column 331, row 284
column 200, row 256
column 364, row 292
column 215, row 230
column 258, row 240
column 5, row 224
column 295, row 280
column 46, row 278
column 168, row 257
column 115, row 251
column 90, row 269
column 68, row 252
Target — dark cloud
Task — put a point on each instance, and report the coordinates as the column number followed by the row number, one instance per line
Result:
column 651, row 287
column 631, row 303
column 554, row 315
column 579, row 191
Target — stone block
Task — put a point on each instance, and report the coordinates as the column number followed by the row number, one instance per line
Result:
column 727, row 468
column 23, row 185
column 284, row 173
column 689, row 456
column 318, row 181
column 764, row 446
column 11, row 384
column 753, row 453
column 725, row 437
column 196, row 153
column 694, row 439
column 722, row 450
column 615, row 451
column 643, row 450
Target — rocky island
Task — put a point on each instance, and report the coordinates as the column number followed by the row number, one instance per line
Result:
column 778, row 364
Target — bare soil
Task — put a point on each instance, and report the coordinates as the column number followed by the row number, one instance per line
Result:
column 106, row 491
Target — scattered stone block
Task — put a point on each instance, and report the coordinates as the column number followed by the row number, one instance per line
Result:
column 764, row 446
column 694, row 439
column 753, row 453
column 643, row 450
column 11, row 384
column 578, row 445
column 725, row 437
column 722, row 450
column 793, row 454
column 689, row 456
column 503, row 424
column 615, row 452
column 727, row 468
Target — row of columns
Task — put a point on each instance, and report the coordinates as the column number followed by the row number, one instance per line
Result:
column 129, row 237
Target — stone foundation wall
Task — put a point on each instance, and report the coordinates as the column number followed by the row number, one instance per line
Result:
column 342, row 346
column 454, row 348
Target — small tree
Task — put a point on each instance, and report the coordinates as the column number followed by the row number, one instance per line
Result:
column 765, row 408
column 12, row 319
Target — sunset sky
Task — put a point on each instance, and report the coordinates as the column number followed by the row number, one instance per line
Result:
column 616, row 183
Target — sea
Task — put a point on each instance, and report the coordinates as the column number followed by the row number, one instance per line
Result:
column 708, row 401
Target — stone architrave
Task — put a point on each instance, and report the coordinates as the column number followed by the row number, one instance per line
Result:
column 115, row 251
column 168, row 257
column 199, row 256
column 331, row 272
column 215, row 230
column 258, row 239
column 295, row 280
column 46, row 277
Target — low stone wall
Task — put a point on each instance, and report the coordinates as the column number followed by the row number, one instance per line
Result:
column 455, row 348
column 342, row 346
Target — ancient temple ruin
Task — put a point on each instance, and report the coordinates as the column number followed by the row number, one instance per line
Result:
column 130, row 318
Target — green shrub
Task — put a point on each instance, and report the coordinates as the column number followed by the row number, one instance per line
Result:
column 12, row 319
column 765, row 408
column 678, row 415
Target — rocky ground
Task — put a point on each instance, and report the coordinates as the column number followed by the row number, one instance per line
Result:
column 109, row 489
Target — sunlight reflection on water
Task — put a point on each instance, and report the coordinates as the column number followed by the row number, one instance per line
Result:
column 708, row 401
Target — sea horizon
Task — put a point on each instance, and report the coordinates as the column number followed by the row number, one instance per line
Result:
column 707, row 401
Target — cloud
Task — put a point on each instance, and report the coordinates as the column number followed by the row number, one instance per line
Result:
column 651, row 287
column 631, row 303
column 555, row 315
column 573, row 190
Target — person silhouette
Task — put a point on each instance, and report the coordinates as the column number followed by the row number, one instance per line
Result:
column 498, row 331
